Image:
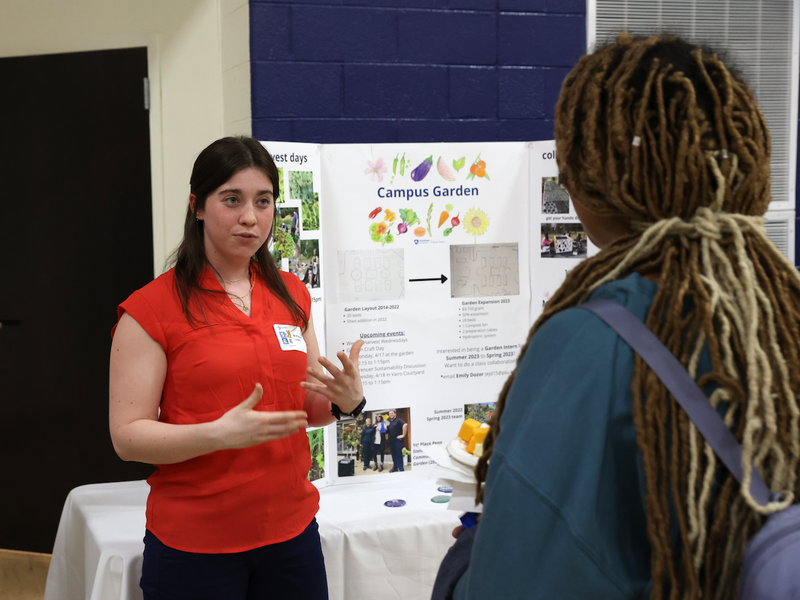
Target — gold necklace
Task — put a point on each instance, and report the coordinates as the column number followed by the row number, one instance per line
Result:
column 249, row 296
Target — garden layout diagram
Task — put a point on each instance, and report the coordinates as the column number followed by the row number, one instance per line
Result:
column 371, row 275
column 484, row 270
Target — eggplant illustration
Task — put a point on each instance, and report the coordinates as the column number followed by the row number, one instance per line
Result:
column 422, row 169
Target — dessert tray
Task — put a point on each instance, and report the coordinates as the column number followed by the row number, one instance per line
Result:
column 458, row 453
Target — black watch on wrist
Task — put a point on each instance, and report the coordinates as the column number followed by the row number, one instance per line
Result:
column 337, row 412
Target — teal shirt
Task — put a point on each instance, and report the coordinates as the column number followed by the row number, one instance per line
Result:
column 564, row 512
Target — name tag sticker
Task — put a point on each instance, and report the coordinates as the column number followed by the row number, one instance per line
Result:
column 290, row 338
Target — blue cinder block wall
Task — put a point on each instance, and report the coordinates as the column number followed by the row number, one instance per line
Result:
column 331, row 71
column 410, row 70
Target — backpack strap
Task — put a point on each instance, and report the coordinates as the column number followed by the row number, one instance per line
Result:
column 675, row 378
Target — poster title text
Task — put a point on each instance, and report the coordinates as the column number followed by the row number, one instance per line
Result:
column 437, row 191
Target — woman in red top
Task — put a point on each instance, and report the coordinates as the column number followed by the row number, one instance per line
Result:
column 214, row 374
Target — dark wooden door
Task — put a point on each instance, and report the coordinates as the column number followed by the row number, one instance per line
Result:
column 75, row 240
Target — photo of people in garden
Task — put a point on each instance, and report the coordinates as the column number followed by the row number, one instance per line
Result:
column 301, row 187
column 563, row 240
column 375, row 442
column 307, row 265
column 286, row 235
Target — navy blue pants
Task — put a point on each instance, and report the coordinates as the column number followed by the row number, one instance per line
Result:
column 292, row 569
column 396, row 448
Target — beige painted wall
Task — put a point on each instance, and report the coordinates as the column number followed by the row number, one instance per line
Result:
column 199, row 70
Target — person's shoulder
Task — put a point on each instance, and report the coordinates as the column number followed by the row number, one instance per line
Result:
column 153, row 305
column 633, row 292
column 158, row 288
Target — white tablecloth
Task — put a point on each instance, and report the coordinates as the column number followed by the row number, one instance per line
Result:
column 371, row 551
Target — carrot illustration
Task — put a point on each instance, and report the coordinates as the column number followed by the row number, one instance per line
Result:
column 443, row 217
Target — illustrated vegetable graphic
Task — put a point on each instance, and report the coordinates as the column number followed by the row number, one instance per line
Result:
column 419, row 231
column 457, row 164
column 448, row 231
column 407, row 215
column 454, row 221
column 422, row 169
column 443, row 217
column 408, row 218
column 444, row 170
column 375, row 212
column 430, row 212
column 478, row 169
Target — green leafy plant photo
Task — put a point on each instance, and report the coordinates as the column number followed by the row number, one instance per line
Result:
column 282, row 245
column 301, row 185
column 311, row 213
column 316, row 441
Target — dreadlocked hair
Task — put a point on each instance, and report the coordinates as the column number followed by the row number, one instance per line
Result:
column 661, row 135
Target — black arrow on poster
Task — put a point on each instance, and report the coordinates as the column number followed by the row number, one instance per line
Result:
column 443, row 278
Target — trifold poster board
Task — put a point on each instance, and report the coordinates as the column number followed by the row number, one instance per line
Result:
column 438, row 256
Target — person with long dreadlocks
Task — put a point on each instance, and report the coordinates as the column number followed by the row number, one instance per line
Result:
column 604, row 488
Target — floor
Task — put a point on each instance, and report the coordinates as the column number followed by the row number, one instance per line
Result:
column 23, row 575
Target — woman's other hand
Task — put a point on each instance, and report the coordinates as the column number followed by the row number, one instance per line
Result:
column 343, row 386
column 243, row 426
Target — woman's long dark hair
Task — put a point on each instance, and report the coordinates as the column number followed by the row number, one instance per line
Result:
column 217, row 164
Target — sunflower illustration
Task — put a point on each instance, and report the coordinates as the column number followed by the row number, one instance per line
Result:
column 475, row 222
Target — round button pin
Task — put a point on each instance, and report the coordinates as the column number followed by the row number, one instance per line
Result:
column 394, row 503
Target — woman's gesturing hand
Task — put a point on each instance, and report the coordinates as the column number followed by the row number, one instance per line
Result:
column 242, row 426
column 342, row 386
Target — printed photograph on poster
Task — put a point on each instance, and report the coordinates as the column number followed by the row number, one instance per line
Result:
column 288, row 219
column 301, row 185
column 563, row 240
column 293, row 266
column 374, row 443
column 484, row 270
column 316, row 441
column 282, row 183
column 481, row 412
column 371, row 275
column 308, row 264
column 555, row 198
column 311, row 213
column 285, row 245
